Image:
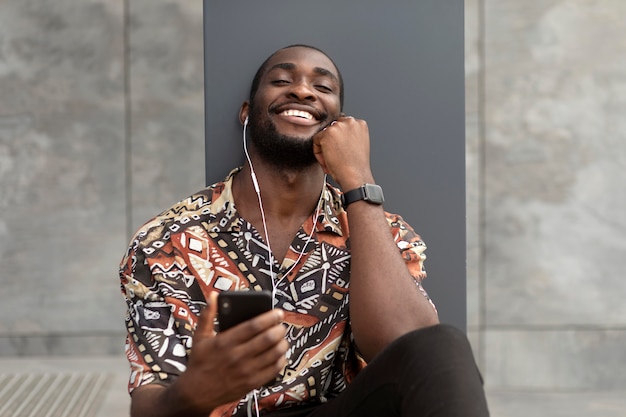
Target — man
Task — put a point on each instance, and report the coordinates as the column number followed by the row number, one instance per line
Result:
column 345, row 277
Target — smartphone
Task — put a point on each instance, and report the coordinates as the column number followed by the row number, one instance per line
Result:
column 234, row 307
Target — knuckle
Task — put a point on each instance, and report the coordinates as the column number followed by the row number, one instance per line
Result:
column 250, row 378
column 255, row 325
column 275, row 351
column 279, row 331
column 270, row 337
column 219, row 343
column 284, row 345
column 279, row 364
column 278, row 351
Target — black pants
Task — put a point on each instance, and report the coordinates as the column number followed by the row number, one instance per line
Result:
column 426, row 373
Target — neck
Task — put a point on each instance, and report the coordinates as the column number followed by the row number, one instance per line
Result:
column 285, row 193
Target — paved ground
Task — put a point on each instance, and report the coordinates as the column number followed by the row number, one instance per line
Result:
column 96, row 387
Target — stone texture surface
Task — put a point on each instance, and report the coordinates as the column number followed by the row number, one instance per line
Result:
column 555, row 360
column 473, row 158
column 61, row 167
column 64, row 149
column 557, row 404
column 167, row 102
column 552, row 198
column 555, row 158
column 82, row 342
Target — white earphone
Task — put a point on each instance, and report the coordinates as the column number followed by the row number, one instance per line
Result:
column 275, row 283
column 271, row 260
column 245, row 150
column 257, row 189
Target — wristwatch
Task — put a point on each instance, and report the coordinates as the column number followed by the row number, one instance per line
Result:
column 371, row 193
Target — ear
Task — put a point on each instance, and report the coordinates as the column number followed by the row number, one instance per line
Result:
column 243, row 112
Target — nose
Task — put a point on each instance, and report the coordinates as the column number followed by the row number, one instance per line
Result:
column 302, row 90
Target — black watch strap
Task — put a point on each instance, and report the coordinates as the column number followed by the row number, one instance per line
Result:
column 371, row 193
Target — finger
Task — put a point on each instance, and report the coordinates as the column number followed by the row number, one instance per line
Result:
column 254, row 375
column 319, row 155
column 275, row 353
column 259, row 354
column 268, row 340
column 205, row 327
column 269, row 346
column 247, row 330
column 268, row 363
column 271, row 369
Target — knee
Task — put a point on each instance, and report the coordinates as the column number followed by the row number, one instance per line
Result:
column 441, row 343
column 444, row 336
column 439, row 334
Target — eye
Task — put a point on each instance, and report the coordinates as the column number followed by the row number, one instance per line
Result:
column 280, row 82
column 324, row 88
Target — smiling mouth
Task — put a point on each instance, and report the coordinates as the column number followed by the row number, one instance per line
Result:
column 298, row 113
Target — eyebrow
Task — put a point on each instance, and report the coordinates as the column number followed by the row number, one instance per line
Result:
column 288, row 66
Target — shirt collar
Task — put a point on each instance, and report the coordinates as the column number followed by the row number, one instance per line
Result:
column 332, row 209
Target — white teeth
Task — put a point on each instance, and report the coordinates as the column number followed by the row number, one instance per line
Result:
column 298, row 113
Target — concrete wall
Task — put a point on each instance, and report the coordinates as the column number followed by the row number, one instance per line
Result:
column 101, row 127
column 546, row 164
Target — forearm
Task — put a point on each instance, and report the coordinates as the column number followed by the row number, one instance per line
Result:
column 385, row 301
column 150, row 401
column 162, row 401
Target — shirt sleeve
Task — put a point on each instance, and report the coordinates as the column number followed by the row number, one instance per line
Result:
column 412, row 248
column 159, row 321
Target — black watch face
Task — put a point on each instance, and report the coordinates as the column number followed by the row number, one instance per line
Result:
column 374, row 194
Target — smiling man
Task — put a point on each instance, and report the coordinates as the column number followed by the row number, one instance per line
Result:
column 299, row 119
column 352, row 332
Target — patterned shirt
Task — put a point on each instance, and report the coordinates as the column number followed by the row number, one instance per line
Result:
column 202, row 245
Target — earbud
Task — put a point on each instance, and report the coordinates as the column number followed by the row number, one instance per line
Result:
column 245, row 150
column 255, row 182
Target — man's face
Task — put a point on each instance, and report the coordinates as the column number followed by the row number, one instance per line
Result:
column 298, row 95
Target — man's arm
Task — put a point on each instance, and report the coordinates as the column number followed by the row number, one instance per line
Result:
column 159, row 400
column 222, row 368
column 385, row 302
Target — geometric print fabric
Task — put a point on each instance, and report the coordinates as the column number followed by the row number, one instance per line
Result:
column 201, row 245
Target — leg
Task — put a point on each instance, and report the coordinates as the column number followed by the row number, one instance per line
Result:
column 428, row 373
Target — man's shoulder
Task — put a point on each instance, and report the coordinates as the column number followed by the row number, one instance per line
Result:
column 203, row 206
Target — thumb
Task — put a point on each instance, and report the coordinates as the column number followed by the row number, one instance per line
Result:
column 205, row 327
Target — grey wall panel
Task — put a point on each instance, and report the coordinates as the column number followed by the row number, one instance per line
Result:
column 62, row 194
column 403, row 67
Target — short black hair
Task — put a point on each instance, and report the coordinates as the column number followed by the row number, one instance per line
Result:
column 259, row 73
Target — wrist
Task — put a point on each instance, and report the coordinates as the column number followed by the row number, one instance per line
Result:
column 157, row 400
column 187, row 402
column 354, row 181
column 369, row 193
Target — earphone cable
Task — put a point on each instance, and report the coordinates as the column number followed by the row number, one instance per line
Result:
column 257, row 189
column 275, row 283
column 258, row 193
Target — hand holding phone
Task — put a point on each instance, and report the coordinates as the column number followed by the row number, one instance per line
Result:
column 234, row 307
column 213, row 356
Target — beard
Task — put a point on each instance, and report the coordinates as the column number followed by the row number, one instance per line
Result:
column 281, row 151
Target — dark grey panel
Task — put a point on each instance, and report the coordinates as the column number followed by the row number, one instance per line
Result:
column 402, row 62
